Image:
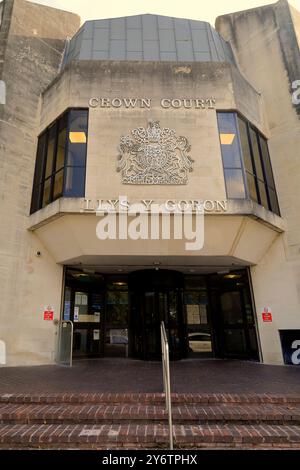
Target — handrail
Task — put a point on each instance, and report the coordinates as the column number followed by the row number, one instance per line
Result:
column 71, row 338
column 166, row 378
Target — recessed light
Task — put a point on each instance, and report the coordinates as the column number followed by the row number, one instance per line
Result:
column 232, row 276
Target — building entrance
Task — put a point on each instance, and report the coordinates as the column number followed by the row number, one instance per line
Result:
column 156, row 296
column 205, row 315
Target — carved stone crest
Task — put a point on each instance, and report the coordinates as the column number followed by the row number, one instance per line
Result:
column 154, row 155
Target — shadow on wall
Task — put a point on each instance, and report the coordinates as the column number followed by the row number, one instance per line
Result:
column 2, row 353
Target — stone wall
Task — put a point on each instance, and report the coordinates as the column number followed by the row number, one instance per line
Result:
column 267, row 50
column 33, row 40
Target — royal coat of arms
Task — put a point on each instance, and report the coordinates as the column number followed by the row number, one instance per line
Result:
column 154, row 155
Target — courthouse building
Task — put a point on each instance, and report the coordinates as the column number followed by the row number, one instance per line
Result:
column 152, row 111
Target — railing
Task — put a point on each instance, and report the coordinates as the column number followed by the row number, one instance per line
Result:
column 66, row 343
column 166, row 378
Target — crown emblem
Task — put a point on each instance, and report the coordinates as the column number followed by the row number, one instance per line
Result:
column 154, row 155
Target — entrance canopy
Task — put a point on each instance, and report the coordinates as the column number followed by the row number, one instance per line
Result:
column 229, row 240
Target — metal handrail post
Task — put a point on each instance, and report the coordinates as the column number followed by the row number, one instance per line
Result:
column 166, row 379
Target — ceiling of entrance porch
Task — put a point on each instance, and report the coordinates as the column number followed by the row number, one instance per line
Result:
column 186, row 265
column 228, row 240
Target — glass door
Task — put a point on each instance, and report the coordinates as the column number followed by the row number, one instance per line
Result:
column 152, row 308
column 116, row 318
column 233, row 318
column 86, row 316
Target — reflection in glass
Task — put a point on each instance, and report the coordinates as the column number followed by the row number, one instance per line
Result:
column 61, row 143
column 116, row 308
column 235, row 341
column 47, row 192
column 251, row 186
column 235, row 184
column 198, row 328
column 231, row 308
column 58, row 184
column 231, row 153
column 50, row 151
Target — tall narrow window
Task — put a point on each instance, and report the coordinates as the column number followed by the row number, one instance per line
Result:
column 37, row 190
column 231, row 155
column 61, row 160
column 246, row 158
column 76, row 154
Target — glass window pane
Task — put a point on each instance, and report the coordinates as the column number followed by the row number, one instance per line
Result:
column 58, row 184
column 50, row 150
column 251, row 186
column 245, row 145
column 75, row 182
column 67, row 304
column 235, row 341
column 231, row 308
column 230, row 148
column 40, row 156
column 267, row 163
column 61, row 143
column 77, row 138
column 234, row 184
column 263, row 194
column 46, row 194
column 195, row 282
column 116, row 309
column 256, row 155
column 273, row 201
column 36, row 199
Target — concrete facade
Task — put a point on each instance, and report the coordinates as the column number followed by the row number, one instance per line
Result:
column 244, row 235
column 33, row 44
column 267, row 37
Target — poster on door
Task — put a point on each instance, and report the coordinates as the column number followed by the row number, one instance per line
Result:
column 76, row 314
column 290, row 344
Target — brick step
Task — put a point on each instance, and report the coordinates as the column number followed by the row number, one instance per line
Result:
column 149, row 398
column 149, row 436
column 128, row 413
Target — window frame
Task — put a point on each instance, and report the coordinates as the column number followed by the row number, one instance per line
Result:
column 258, row 135
column 242, row 166
column 38, row 204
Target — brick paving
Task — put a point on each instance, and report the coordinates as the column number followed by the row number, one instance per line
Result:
column 66, row 413
column 127, row 375
column 150, row 435
column 108, row 404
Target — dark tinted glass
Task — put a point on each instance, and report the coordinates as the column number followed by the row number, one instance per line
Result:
column 75, row 181
column 267, row 163
column 58, row 184
column 36, row 198
column 65, row 139
column 50, row 151
column 61, row 143
column 256, row 155
column 251, row 186
column 263, row 194
column 40, row 158
column 273, row 201
column 47, row 192
column 245, row 145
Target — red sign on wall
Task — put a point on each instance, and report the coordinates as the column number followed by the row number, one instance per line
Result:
column 267, row 315
column 48, row 314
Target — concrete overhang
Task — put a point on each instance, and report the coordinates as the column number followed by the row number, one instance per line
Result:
column 240, row 236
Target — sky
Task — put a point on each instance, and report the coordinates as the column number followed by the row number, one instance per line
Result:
column 206, row 10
